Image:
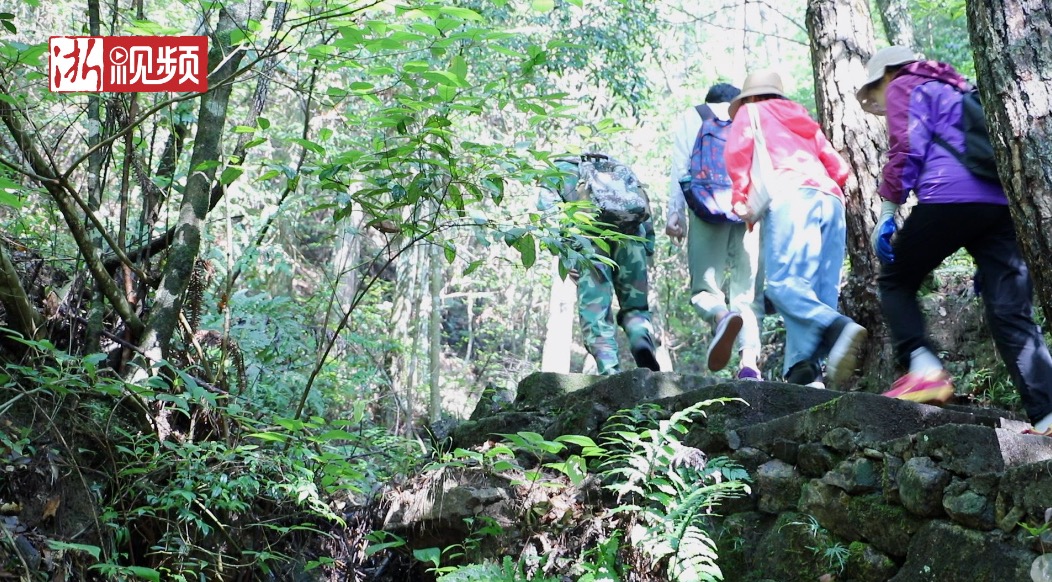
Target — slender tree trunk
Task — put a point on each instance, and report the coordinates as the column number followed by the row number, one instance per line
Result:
column 409, row 304
column 558, row 335
column 435, row 335
column 839, row 65
column 93, row 185
column 897, row 21
column 21, row 315
column 346, row 261
column 1012, row 60
column 196, row 198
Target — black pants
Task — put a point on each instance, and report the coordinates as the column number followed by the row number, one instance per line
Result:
column 935, row 231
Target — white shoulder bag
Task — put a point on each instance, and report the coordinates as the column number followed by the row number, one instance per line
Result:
column 762, row 171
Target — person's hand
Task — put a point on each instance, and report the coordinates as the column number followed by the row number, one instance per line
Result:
column 742, row 210
column 675, row 228
column 884, row 230
column 881, row 240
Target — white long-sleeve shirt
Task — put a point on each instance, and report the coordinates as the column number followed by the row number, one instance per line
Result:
column 684, row 133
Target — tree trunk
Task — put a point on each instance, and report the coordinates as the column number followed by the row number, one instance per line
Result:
column 195, row 204
column 435, row 335
column 1010, row 48
column 839, row 66
column 97, row 309
column 346, row 263
column 410, row 302
column 558, row 335
column 898, row 23
column 21, row 316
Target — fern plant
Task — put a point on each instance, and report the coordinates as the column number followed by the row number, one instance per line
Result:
column 668, row 489
column 507, row 571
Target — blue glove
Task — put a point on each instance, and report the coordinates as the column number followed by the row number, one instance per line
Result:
column 885, row 230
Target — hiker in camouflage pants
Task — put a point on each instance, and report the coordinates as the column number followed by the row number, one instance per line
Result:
column 598, row 283
column 596, row 287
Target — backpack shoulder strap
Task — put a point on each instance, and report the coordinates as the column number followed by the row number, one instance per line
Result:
column 704, row 111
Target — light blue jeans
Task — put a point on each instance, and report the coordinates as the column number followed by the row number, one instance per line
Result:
column 804, row 237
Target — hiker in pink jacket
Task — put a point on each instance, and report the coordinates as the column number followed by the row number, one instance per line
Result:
column 803, row 231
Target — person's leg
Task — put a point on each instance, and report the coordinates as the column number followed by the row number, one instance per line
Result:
column 707, row 254
column 742, row 259
column 707, row 259
column 631, row 285
column 594, row 308
column 1007, row 293
column 842, row 339
column 792, row 239
column 931, row 233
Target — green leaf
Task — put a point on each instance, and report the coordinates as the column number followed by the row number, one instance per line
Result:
column 31, row 55
column 432, row 555
column 450, row 252
column 144, row 573
column 309, row 145
column 263, row 122
column 503, row 465
column 462, row 13
column 8, row 199
column 206, row 165
column 230, row 173
column 459, row 68
column 374, row 548
column 576, row 439
column 528, row 249
column 95, row 551
column 543, row 5
column 269, row 436
column 441, row 77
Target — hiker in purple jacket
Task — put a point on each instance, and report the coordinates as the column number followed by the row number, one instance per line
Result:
column 923, row 103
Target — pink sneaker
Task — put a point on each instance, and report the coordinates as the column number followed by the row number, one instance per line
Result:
column 933, row 388
column 1034, row 431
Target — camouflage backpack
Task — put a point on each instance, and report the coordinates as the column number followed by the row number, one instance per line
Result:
column 614, row 189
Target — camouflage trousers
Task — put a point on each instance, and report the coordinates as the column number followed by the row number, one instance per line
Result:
column 596, row 287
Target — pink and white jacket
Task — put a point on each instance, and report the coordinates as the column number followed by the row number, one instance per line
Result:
column 800, row 153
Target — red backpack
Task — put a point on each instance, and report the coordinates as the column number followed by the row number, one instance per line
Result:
column 709, row 191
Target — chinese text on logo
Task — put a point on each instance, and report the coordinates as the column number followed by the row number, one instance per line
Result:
column 139, row 64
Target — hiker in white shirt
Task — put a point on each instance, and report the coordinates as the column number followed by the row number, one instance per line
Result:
column 721, row 252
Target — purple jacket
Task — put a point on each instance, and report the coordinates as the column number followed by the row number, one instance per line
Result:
column 923, row 100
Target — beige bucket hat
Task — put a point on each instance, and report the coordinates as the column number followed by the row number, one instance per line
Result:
column 762, row 82
column 878, row 63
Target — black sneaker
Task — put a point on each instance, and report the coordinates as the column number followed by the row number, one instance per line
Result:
column 644, row 354
column 803, row 373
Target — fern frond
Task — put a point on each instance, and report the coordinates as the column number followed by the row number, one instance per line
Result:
column 695, row 558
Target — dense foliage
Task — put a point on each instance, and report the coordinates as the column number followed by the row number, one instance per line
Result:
column 217, row 348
